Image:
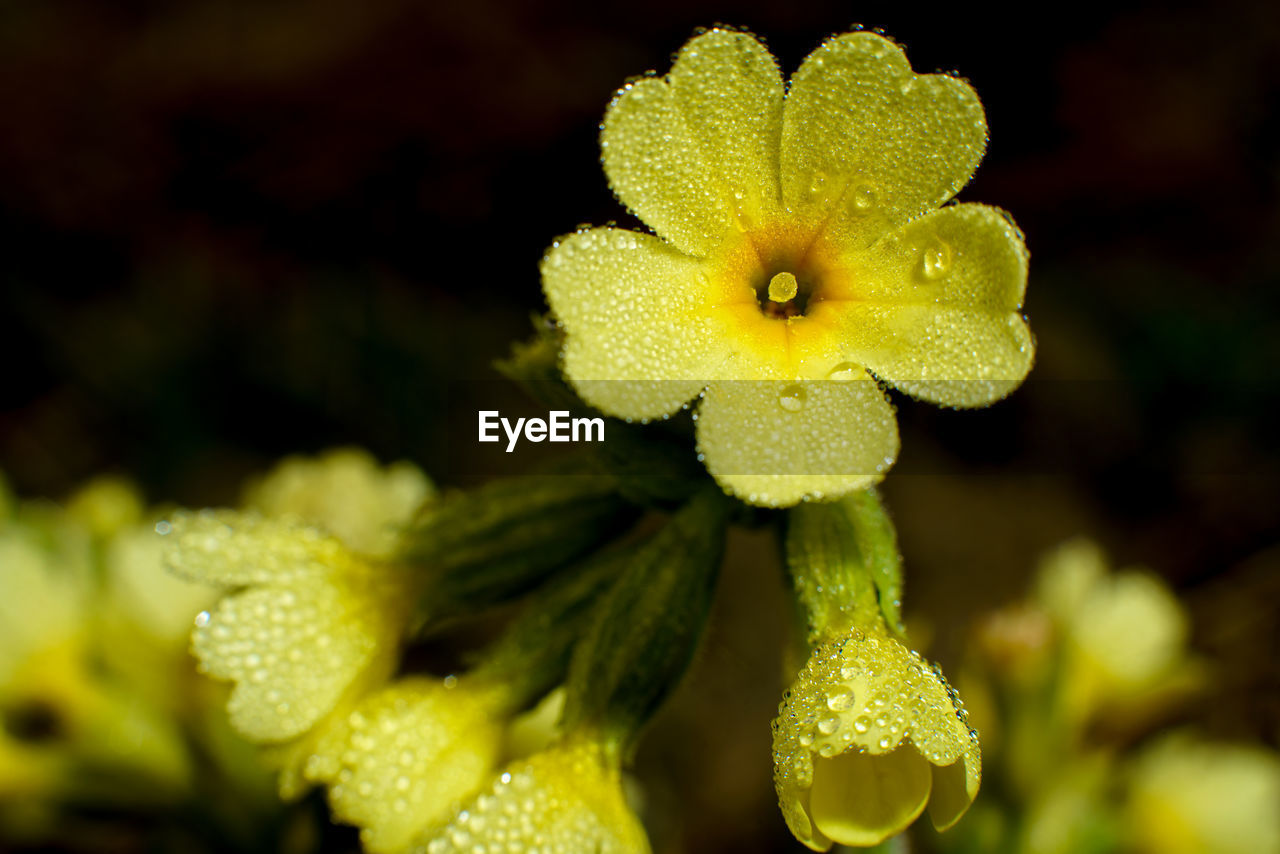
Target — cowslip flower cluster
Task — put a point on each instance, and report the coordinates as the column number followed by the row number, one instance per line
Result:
column 802, row 254
column 313, row 624
column 801, row 251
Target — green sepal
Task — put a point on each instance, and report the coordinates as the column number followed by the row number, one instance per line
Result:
column 647, row 628
column 493, row 543
column 531, row 656
column 844, row 564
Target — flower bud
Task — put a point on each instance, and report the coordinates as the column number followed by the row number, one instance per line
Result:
column 867, row 735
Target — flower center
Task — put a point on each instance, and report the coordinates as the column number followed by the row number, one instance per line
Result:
column 783, row 295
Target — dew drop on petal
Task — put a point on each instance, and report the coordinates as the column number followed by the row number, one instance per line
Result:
column 846, row 371
column 792, row 398
column 862, row 197
column 936, row 260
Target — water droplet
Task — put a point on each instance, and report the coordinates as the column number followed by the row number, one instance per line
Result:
column 818, row 184
column 829, row 725
column 846, row 371
column 792, row 398
column 862, row 197
column 840, row 698
column 936, row 260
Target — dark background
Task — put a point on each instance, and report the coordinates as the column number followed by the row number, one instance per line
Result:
column 236, row 230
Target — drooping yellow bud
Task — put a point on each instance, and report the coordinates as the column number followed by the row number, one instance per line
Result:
column 867, row 736
column 783, row 287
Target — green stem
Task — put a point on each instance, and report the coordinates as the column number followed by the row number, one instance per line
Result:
column 844, row 565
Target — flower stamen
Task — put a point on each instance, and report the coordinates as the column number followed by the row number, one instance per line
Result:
column 783, row 287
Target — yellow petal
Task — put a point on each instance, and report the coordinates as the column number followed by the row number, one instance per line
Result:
column 693, row 153
column 565, row 799
column 312, row 621
column 968, row 256
column 934, row 308
column 638, row 342
column 777, row 443
column 869, row 143
column 406, row 756
column 861, row 799
column 951, row 793
column 286, row 681
column 232, row 549
column 344, row 492
column 159, row 602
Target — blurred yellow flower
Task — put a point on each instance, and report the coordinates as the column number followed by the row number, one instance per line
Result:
column 311, row 623
column 408, row 754
column 1195, row 798
column 868, row 734
column 566, row 799
column 1125, row 633
column 79, row 716
column 799, row 248
column 310, row 627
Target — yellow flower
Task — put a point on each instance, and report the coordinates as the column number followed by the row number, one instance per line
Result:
column 64, row 708
column 310, row 629
column 314, row 617
column 1189, row 797
column 1125, row 633
column 567, row 799
column 408, row 754
column 799, row 249
column 866, row 737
